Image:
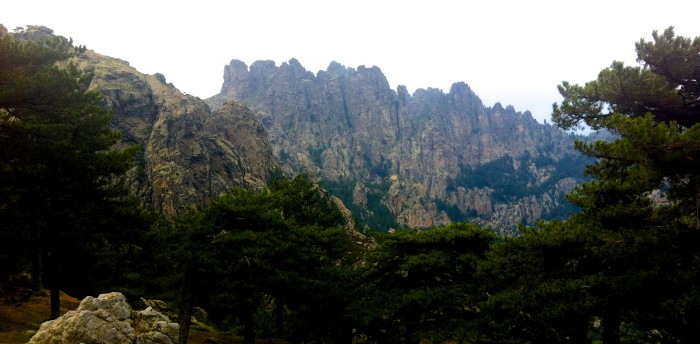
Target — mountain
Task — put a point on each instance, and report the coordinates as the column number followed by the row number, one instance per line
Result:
column 414, row 160
column 395, row 159
column 188, row 152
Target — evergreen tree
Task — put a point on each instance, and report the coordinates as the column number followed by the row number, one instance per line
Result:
column 666, row 85
column 423, row 284
column 643, row 209
column 539, row 285
column 57, row 159
column 281, row 246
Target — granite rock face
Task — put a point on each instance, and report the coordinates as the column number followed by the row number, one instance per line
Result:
column 348, row 127
column 188, row 152
column 421, row 160
column 108, row 319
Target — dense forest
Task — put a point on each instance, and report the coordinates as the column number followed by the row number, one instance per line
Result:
column 284, row 262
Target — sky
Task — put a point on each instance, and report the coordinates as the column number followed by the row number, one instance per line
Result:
column 508, row 51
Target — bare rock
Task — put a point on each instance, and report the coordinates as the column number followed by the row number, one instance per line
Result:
column 189, row 154
column 411, row 151
column 108, row 319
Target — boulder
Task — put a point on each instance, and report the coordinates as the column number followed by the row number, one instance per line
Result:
column 108, row 319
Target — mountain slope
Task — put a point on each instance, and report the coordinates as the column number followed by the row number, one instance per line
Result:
column 188, row 152
column 412, row 158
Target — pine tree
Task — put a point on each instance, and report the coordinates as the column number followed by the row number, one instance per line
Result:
column 423, row 284
column 644, row 206
column 57, row 157
column 281, row 244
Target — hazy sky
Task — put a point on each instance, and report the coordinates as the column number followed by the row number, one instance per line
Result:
column 513, row 52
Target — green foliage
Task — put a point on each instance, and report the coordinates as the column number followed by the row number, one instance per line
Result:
column 638, row 245
column 280, row 262
column 375, row 215
column 284, row 246
column 60, row 198
column 55, row 138
column 422, row 284
column 510, row 183
column 623, row 269
column 665, row 86
column 381, row 169
column 453, row 212
column 316, row 154
column 499, row 174
column 539, row 284
column 284, row 156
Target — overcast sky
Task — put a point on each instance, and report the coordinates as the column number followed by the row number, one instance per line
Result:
column 512, row 52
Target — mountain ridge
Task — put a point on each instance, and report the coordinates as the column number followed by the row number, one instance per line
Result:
column 396, row 159
column 347, row 126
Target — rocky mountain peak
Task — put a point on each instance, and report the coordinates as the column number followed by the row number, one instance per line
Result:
column 337, row 68
column 404, row 156
column 396, row 159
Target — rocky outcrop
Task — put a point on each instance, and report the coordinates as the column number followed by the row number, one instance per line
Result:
column 348, row 127
column 188, row 152
column 108, row 319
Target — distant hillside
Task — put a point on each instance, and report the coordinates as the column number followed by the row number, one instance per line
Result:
column 398, row 159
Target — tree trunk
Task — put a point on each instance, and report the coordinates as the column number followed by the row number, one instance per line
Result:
column 248, row 326
column 186, row 304
column 411, row 335
column 35, row 253
column 55, row 302
column 579, row 332
column 52, row 279
column 611, row 323
column 279, row 317
column 697, row 203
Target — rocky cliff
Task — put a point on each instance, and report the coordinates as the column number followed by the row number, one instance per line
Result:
column 188, row 152
column 421, row 159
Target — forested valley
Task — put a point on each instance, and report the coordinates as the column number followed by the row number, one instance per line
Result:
column 287, row 262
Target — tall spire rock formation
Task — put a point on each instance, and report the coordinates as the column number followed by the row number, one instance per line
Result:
column 423, row 160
